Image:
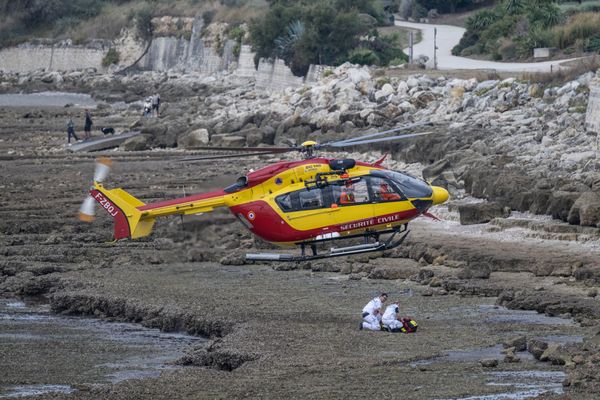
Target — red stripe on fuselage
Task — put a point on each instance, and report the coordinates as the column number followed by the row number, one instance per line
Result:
column 181, row 200
column 268, row 225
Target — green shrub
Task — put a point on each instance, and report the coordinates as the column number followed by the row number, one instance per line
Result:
column 143, row 23
column 111, row 57
column 398, row 61
column 593, row 43
column 363, row 56
column 236, row 33
column 207, row 16
column 237, row 48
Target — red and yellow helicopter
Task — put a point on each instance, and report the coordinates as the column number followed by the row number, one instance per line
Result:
column 304, row 203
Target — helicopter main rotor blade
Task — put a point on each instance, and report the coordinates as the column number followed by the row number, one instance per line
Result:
column 338, row 145
column 223, row 156
column 248, row 149
column 376, row 134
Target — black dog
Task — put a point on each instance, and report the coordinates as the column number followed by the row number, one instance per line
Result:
column 108, row 131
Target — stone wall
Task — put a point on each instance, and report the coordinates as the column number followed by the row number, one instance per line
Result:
column 26, row 58
column 592, row 120
column 246, row 66
column 276, row 75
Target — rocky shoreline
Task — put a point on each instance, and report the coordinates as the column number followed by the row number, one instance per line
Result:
column 517, row 145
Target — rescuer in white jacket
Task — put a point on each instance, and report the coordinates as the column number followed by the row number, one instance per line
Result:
column 371, row 313
column 390, row 317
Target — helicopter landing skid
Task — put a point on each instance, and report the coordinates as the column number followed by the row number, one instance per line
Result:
column 390, row 243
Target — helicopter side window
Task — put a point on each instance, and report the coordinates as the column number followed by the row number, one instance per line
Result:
column 351, row 193
column 285, row 202
column 383, row 190
column 310, row 199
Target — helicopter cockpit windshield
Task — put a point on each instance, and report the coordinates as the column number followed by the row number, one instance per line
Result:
column 239, row 184
column 410, row 186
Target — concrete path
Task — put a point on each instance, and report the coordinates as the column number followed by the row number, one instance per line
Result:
column 449, row 36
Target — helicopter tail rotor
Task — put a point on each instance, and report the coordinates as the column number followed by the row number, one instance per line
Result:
column 87, row 211
column 103, row 165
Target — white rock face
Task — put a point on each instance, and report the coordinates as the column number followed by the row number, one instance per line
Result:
column 592, row 120
column 402, row 87
column 357, row 75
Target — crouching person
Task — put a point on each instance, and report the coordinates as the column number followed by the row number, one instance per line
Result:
column 371, row 313
column 391, row 319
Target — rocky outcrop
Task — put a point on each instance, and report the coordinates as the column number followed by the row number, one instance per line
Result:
column 480, row 213
column 586, row 210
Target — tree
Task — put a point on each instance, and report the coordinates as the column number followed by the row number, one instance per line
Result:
column 318, row 32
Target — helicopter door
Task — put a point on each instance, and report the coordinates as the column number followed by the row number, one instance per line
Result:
column 354, row 203
column 388, row 201
column 307, row 209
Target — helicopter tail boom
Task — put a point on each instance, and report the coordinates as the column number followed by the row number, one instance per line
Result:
column 135, row 219
column 123, row 207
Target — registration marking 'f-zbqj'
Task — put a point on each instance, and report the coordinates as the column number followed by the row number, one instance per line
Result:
column 104, row 202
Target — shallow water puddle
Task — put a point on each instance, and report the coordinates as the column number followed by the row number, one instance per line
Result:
column 534, row 381
column 46, row 99
column 524, row 384
column 44, row 353
column 493, row 314
column 36, row 390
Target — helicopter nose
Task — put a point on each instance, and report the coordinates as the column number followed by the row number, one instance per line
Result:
column 439, row 196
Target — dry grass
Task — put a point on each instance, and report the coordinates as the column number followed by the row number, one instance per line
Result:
column 236, row 15
column 574, row 69
column 579, row 27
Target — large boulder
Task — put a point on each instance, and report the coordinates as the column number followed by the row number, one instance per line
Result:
column 519, row 343
column 586, row 210
column 537, row 348
column 136, row 143
column 228, row 140
column 195, row 138
column 555, row 354
column 481, row 213
column 560, row 204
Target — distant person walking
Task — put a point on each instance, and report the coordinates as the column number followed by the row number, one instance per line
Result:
column 155, row 104
column 71, row 131
column 88, row 124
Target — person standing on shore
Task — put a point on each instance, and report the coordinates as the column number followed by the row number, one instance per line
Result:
column 371, row 313
column 71, row 130
column 155, row 104
column 88, row 124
